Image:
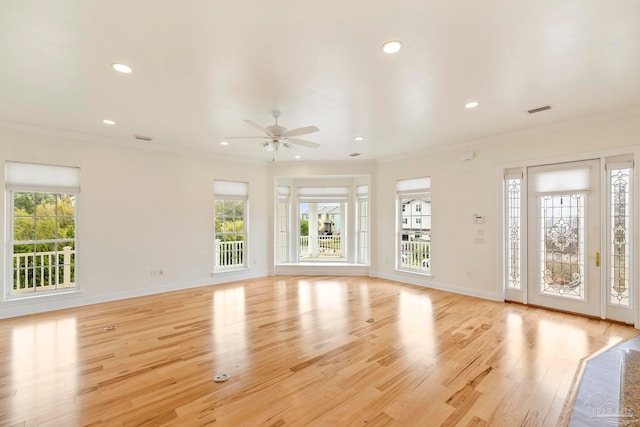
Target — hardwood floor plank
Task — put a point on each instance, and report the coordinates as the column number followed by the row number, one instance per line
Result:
column 300, row 350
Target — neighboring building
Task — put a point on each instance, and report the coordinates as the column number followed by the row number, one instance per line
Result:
column 416, row 219
column 328, row 220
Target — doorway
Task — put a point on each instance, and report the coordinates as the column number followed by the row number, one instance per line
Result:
column 564, row 230
column 569, row 237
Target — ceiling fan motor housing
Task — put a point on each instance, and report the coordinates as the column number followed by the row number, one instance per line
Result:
column 277, row 130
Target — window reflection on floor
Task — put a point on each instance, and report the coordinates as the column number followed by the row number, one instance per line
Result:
column 229, row 322
column 43, row 360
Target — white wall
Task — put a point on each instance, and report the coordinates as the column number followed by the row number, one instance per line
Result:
column 139, row 209
column 143, row 209
column 463, row 188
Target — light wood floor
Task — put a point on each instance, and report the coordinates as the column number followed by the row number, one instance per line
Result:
column 300, row 352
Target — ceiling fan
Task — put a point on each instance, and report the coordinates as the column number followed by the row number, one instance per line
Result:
column 278, row 136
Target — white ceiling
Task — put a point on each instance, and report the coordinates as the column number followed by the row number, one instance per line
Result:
column 202, row 66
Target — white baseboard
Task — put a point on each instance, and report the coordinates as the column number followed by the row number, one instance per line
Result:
column 322, row 270
column 22, row 307
column 42, row 304
column 427, row 283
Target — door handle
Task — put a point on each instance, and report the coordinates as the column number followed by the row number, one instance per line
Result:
column 597, row 259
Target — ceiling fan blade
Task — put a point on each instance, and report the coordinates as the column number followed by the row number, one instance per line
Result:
column 303, row 143
column 246, row 137
column 257, row 126
column 301, row 131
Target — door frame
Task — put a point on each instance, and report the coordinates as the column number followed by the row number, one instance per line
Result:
column 520, row 295
column 592, row 277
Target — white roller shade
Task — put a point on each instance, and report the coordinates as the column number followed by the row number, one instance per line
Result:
column 323, row 191
column 362, row 190
column 413, row 185
column 283, row 190
column 562, row 180
column 513, row 173
column 320, row 194
column 231, row 188
column 620, row 165
column 37, row 177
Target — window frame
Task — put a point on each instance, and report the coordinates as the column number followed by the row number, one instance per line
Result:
column 51, row 180
column 63, row 271
column 231, row 191
column 282, row 224
column 406, row 191
column 362, row 224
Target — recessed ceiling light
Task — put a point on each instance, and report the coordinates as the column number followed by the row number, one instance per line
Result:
column 296, row 157
column 358, row 138
column 472, row 104
column 224, row 143
column 123, row 68
column 392, row 46
column 108, row 122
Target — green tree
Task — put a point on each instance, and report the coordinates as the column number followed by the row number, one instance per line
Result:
column 304, row 227
column 229, row 220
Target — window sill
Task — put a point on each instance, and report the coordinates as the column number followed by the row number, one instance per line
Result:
column 25, row 298
column 229, row 270
column 414, row 272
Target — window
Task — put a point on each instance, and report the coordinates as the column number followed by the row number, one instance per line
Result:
column 414, row 230
column 322, row 213
column 282, row 224
column 230, row 202
column 513, row 232
column 619, row 233
column 322, row 239
column 42, row 237
column 362, row 191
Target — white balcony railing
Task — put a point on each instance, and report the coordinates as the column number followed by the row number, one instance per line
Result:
column 415, row 255
column 43, row 271
column 229, row 254
column 325, row 246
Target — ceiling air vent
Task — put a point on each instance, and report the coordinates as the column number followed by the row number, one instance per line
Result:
column 354, row 154
column 537, row 110
column 143, row 138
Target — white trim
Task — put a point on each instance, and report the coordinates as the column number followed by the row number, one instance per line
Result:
column 322, row 268
column 75, row 299
column 411, row 279
column 8, row 292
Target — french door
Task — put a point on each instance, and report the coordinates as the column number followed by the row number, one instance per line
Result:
column 570, row 222
column 564, row 237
